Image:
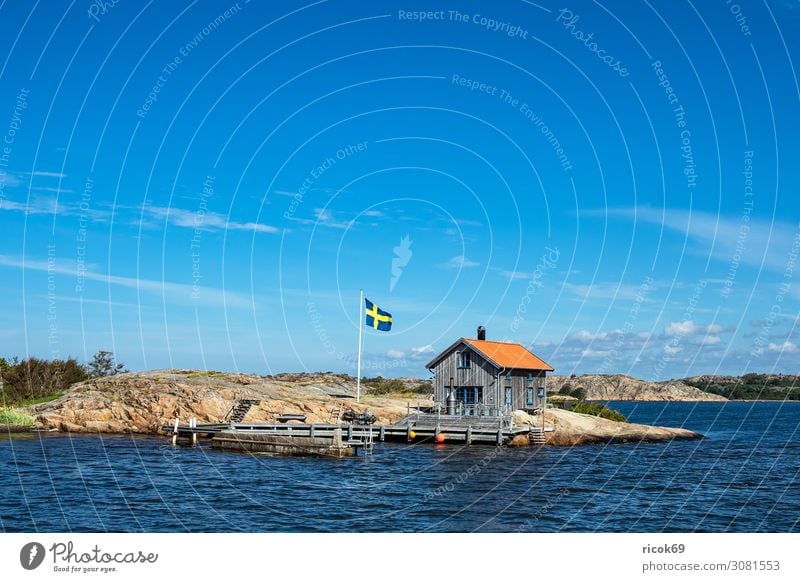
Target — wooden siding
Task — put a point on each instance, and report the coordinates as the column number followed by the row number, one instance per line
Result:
column 520, row 384
column 480, row 373
column 483, row 373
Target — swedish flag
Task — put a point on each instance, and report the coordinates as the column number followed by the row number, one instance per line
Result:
column 377, row 318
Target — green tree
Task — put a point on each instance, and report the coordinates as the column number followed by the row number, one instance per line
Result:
column 104, row 364
column 579, row 393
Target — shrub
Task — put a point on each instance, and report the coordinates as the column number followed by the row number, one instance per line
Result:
column 595, row 409
column 380, row 385
column 34, row 378
column 422, row 388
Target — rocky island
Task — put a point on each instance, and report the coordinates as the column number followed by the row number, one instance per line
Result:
column 143, row 402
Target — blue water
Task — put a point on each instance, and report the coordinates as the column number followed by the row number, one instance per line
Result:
column 745, row 477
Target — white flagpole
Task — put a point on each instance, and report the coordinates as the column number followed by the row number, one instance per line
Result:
column 360, row 328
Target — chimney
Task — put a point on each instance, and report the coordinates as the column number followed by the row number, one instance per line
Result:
column 481, row 332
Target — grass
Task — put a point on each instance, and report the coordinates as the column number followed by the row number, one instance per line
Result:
column 205, row 374
column 40, row 399
column 380, row 386
column 15, row 417
column 595, row 409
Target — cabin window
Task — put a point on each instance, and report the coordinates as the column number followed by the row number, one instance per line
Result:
column 509, row 379
column 509, row 395
column 530, row 376
column 469, row 395
column 464, row 360
column 530, row 395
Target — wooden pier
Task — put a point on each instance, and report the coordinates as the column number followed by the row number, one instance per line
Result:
column 345, row 439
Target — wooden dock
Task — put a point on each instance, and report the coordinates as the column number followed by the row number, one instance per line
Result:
column 411, row 429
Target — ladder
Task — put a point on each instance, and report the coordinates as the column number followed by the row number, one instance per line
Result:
column 536, row 437
column 336, row 414
column 239, row 410
column 369, row 443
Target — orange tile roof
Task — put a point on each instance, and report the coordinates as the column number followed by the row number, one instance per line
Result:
column 509, row 355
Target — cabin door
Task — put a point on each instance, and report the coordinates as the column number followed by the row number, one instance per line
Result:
column 469, row 398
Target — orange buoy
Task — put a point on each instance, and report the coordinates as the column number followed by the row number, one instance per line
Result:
column 412, row 434
column 440, row 437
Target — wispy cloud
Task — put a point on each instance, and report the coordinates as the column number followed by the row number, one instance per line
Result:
column 176, row 292
column 459, row 262
column 606, row 290
column 766, row 243
column 516, row 275
column 52, row 206
column 416, row 354
column 690, row 328
column 56, row 190
column 207, row 221
column 44, row 174
column 324, row 217
column 784, row 348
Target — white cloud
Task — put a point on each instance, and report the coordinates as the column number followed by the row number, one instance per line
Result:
column 176, row 292
column 204, row 220
column 52, row 206
column 420, row 353
column 516, row 275
column 587, row 336
column 690, row 328
column 423, row 350
column 767, row 243
column 325, row 217
column 711, row 340
column 459, row 262
column 58, row 175
column 672, row 350
column 595, row 353
column 609, row 290
column 785, row 347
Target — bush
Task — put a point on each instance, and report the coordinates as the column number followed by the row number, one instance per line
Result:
column 595, row 409
column 380, row 385
column 36, row 379
column 422, row 389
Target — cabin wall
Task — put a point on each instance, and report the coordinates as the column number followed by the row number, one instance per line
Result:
column 480, row 373
column 519, row 384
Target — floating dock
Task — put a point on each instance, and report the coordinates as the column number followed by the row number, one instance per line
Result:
column 345, row 439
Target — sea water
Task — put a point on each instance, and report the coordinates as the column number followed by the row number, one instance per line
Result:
column 743, row 477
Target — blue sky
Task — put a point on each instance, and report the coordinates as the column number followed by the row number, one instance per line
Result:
column 209, row 185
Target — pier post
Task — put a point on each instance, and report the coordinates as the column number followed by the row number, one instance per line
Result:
column 499, row 436
column 312, row 431
column 175, row 432
column 349, row 432
column 194, row 433
column 469, row 435
column 382, row 435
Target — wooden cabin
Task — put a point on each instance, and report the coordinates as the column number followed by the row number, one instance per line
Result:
column 486, row 378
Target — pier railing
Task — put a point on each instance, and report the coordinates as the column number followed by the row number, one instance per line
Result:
column 499, row 416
